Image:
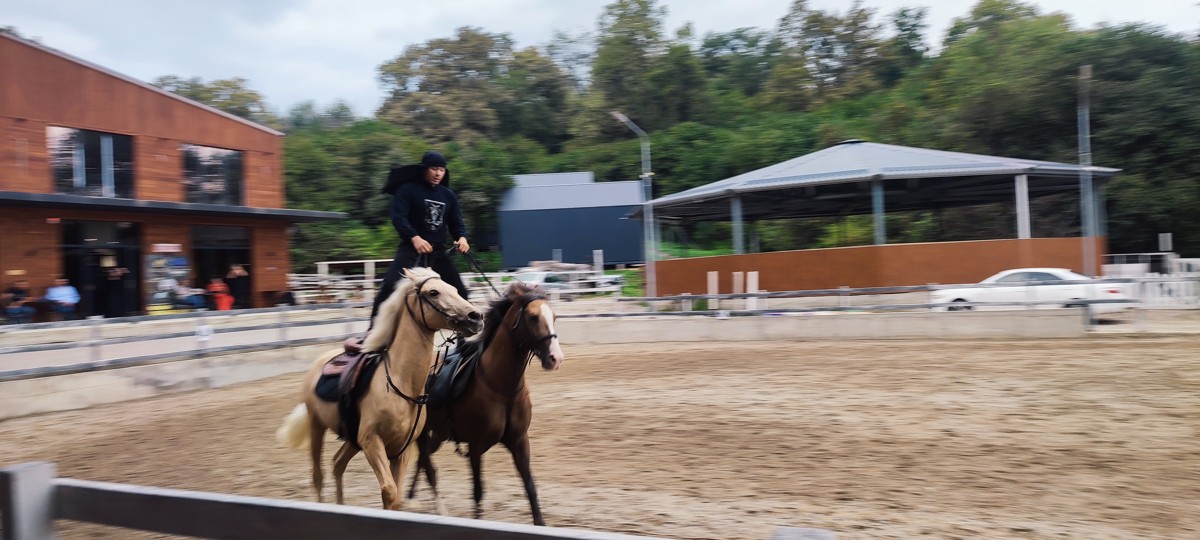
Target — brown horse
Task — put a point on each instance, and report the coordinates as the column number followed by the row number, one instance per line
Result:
column 390, row 411
column 495, row 406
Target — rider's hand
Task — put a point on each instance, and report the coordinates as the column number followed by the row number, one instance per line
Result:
column 421, row 245
column 462, row 244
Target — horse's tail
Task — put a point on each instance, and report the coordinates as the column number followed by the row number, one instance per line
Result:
column 294, row 433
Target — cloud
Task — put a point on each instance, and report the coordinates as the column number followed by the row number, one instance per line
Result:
column 323, row 50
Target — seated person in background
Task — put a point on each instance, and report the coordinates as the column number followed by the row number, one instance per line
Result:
column 18, row 309
column 62, row 298
column 189, row 296
column 220, row 294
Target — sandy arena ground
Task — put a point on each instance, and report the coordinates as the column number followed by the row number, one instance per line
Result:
column 1091, row 438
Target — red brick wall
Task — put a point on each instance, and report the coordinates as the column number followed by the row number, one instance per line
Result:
column 874, row 266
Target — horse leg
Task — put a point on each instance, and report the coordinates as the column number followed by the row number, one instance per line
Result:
column 376, row 453
column 425, row 461
column 317, row 443
column 520, row 454
column 340, row 460
column 477, row 478
column 399, row 466
column 420, row 442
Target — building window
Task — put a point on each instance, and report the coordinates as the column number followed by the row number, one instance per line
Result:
column 212, row 175
column 91, row 163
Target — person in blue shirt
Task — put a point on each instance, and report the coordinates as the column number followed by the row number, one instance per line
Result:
column 63, row 297
column 426, row 215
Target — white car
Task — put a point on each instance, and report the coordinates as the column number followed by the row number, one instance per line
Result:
column 547, row 280
column 1058, row 285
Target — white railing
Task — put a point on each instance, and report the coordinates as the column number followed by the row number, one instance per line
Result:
column 32, row 498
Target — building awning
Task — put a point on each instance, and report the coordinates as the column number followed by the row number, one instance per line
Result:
column 135, row 206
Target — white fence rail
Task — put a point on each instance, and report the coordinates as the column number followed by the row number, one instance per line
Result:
column 32, row 499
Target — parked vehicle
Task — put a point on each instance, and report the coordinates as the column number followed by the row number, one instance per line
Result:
column 548, row 280
column 1062, row 286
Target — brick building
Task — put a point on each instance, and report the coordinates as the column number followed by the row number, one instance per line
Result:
column 100, row 172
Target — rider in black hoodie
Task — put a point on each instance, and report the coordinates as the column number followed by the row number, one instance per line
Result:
column 426, row 215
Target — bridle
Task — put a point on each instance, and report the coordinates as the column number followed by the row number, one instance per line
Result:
column 524, row 346
column 425, row 301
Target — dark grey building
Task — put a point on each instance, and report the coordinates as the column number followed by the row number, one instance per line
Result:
column 573, row 213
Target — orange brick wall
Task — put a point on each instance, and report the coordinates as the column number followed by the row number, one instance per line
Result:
column 874, row 266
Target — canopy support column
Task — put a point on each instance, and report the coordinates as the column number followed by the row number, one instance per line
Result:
column 877, row 212
column 1024, row 231
column 735, row 208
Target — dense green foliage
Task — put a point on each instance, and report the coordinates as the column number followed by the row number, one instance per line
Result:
column 1005, row 83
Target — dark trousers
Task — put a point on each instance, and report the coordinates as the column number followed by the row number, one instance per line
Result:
column 407, row 257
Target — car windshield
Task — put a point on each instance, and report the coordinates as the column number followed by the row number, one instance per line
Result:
column 530, row 277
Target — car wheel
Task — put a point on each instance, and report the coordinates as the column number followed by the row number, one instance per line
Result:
column 1071, row 304
column 958, row 305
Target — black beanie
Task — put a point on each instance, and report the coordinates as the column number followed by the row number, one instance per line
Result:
column 433, row 159
column 416, row 171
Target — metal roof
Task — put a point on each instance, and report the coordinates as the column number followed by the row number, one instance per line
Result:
column 788, row 189
column 553, row 179
column 56, row 200
column 584, row 195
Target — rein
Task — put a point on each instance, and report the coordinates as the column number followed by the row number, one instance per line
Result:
column 475, row 265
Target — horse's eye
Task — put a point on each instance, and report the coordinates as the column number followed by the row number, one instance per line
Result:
column 533, row 318
column 434, row 293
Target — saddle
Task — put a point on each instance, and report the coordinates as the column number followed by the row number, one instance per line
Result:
column 449, row 382
column 344, row 380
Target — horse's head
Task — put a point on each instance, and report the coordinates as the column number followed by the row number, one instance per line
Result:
column 439, row 304
column 534, row 329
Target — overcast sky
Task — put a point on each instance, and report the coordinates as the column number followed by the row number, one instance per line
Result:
column 324, row 50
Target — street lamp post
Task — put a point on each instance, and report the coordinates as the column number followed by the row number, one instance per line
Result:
column 648, row 224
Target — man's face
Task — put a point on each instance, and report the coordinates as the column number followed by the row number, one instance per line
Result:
column 434, row 175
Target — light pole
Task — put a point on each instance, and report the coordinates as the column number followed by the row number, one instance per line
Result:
column 648, row 232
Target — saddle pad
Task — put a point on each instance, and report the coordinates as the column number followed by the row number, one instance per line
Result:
column 451, row 380
column 327, row 387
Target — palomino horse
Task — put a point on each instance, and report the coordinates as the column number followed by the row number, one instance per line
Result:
column 495, row 406
column 390, row 410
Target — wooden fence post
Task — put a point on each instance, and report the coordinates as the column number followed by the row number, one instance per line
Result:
column 27, row 501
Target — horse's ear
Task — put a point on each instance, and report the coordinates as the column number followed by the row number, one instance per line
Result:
column 518, row 288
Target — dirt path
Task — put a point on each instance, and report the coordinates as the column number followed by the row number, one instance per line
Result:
column 1042, row 439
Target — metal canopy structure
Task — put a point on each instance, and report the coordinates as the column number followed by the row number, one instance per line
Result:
column 851, row 177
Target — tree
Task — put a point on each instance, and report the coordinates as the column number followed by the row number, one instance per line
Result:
column 740, row 59
column 629, row 38
column 535, row 99
column 676, row 87
column 444, row 89
column 233, row 96
column 906, row 49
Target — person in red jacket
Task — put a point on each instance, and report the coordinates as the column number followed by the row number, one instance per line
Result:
column 219, row 292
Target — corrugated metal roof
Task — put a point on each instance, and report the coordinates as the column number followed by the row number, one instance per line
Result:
column 856, row 161
column 553, row 179
column 590, row 195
